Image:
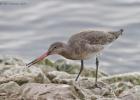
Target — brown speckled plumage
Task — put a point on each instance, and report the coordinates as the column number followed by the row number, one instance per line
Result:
column 82, row 46
column 86, row 43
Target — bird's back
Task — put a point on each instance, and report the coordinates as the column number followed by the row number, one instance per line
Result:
column 87, row 43
column 96, row 37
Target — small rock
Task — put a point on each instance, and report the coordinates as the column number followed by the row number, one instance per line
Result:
column 60, row 77
column 46, row 62
column 45, row 68
column 103, row 98
column 133, row 78
column 131, row 94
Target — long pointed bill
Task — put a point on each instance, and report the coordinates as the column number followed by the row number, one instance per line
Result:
column 38, row 59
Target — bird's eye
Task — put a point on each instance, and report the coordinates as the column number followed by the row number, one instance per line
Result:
column 54, row 47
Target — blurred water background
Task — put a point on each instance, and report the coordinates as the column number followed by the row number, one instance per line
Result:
column 28, row 27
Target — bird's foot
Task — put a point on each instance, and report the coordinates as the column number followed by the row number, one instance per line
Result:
column 97, row 86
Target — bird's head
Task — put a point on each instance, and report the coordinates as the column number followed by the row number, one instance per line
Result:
column 55, row 48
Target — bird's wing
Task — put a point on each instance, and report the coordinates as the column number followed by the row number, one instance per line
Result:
column 78, row 45
column 94, row 37
column 94, row 48
column 98, row 37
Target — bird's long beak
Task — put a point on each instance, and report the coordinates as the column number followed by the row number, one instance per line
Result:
column 37, row 59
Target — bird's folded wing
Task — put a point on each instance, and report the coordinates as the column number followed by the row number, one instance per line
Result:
column 95, row 48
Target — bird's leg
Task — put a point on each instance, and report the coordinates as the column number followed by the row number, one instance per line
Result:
column 97, row 65
column 96, row 75
column 82, row 66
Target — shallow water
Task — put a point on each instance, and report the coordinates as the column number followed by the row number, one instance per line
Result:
column 28, row 27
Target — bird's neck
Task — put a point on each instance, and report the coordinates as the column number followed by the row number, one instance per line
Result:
column 67, row 51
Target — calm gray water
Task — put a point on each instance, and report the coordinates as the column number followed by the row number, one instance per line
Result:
column 28, row 27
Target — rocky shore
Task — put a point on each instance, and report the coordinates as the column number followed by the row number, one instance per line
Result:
column 55, row 81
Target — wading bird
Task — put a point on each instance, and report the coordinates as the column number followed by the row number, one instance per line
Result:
column 82, row 46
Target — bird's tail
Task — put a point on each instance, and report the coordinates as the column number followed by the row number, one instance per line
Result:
column 121, row 31
column 117, row 33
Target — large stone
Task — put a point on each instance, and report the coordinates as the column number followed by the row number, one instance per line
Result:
column 9, row 91
column 61, row 77
column 58, row 75
column 119, row 87
column 131, row 94
column 46, row 66
column 9, row 87
column 36, row 91
column 62, row 65
column 18, row 72
column 22, row 74
column 8, row 60
column 122, row 82
column 46, row 62
column 90, row 91
column 17, row 82
column 85, row 85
